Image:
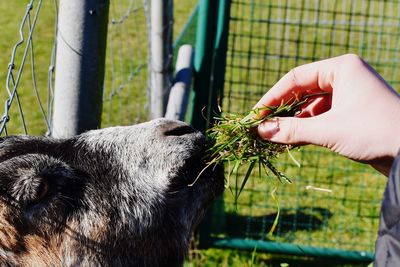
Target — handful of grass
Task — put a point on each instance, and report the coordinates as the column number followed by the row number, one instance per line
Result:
column 233, row 139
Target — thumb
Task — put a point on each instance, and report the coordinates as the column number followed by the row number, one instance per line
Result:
column 294, row 131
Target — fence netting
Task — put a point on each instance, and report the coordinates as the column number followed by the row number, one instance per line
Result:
column 125, row 87
column 266, row 40
column 28, row 36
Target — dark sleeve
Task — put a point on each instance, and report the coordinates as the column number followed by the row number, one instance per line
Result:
column 387, row 246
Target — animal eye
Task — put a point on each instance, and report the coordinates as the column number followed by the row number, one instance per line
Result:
column 41, row 191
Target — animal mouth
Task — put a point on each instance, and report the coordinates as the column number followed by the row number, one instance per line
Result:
column 197, row 173
column 180, row 131
column 205, row 174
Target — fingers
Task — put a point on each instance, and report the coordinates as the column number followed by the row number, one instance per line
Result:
column 316, row 106
column 314, row 76
column 295, row 131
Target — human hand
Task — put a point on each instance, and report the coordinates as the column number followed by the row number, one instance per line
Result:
column 359, row 117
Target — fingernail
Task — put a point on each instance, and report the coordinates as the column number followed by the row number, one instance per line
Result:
column 268, row 128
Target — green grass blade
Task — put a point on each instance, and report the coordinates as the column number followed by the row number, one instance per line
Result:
column 253, row 256
column 246, row 177
column 236, row 171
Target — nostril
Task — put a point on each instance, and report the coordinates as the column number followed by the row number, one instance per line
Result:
column 179, row 130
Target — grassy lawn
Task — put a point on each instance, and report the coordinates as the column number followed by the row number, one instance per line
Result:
column 265, row 41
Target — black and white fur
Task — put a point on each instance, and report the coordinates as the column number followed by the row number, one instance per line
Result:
column 112, row 197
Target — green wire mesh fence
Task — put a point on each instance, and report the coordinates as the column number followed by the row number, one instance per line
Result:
column 265, row 40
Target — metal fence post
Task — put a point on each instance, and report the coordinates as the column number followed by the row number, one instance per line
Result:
column 81, row 48
column 160, row 55
column 179, row 94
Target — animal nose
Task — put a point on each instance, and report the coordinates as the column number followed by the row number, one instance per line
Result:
column 177, row 128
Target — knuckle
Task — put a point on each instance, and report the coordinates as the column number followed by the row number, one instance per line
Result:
column 293, row 72
column 352, row 59
column 289, row 83
column 290, row 133
column 291, row 76
column 348, row 63
column 293, row 133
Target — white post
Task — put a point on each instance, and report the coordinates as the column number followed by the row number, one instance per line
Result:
column 81, row 47
column 160, row 55
column 178, row 97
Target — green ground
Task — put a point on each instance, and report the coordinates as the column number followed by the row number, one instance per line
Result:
column 344, row 219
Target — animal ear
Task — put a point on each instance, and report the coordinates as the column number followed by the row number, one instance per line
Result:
column 44, row 187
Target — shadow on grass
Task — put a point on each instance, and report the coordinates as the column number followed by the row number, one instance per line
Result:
column 304, row 218
column 290, row 220
column 291, row 261
column 239, row 258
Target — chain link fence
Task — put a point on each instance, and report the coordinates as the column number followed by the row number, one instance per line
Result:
column 28, row 82
column 126, row 91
